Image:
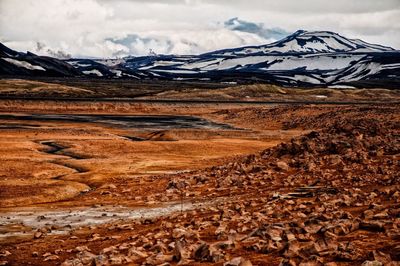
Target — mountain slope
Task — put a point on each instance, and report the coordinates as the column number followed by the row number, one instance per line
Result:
column 28, row 64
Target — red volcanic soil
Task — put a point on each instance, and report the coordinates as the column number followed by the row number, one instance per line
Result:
column 289, row 185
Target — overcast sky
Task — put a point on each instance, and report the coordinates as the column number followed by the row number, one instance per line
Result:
column 108, row 28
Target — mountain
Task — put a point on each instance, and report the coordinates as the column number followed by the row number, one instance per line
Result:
column 308, row 42
column 304, row 58
column 318, row 58
column 28, row 64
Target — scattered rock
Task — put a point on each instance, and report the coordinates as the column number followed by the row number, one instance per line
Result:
column 282, row 166
column 38, row 235
column 202, row 253
column 51, row 258
column 372, row 263
column 373, row 226
column 239, row 261
column 5, row 253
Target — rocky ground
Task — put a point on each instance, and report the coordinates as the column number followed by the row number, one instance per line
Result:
column 328, row 197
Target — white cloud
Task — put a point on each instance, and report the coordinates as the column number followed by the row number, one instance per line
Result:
column 86, row 27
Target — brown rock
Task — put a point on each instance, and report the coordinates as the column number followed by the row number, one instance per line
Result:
column 373, row 226
column 5, row 253
column 37, row 235
column 281, row 165
column 179, row 233
column 287, row 262
column 178, row 251
column 254, row 243
column 381, row 215
column 159, row 259
column 300, row 249
column 202, row 252
column 72, row 262
column 368, row 214
column 311, row 263
column 275, row 233
column 372, row 263
column 229, row 244
column 51, row 258
column 331, row 264
column 312, row 227
column 133, row 252
column 290, row 236
column 293, row 249
column 239, row 261
column 382, row 257
column 82, row 248
column 345, row 255
column 116, row 259
column 109, row 249
column 86, row 257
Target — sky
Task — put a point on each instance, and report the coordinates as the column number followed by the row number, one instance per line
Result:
column 116, row 28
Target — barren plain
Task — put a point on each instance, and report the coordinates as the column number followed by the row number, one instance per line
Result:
column 102, row 182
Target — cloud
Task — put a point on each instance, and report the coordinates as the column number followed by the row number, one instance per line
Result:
column 103, row 28
column 259, row 29
column 313, row 6
column 43, row 49
column 183, row 42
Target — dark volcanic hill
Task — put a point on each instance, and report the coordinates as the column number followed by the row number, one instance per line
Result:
column 29, row 64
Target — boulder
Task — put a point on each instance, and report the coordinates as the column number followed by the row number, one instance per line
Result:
column 202, row 253
column 51, row 258
column 373, row 226
column 282, row 166
column 238, row 261
column 372, row 263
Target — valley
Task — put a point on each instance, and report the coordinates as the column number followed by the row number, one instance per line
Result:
column 136, row 183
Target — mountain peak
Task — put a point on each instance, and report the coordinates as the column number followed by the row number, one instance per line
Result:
column 310, row 42
column 303, row 41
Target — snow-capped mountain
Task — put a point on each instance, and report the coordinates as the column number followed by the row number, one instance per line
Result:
column 319, row 58
column 28, row 64
column 308, row 42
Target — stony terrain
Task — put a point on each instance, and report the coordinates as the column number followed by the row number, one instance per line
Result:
column 329, row 196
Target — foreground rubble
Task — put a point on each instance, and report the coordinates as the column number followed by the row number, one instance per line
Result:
column 329, row 197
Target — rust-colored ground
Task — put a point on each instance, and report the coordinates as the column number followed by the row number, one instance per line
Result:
column 328, row 194
column 96, row 155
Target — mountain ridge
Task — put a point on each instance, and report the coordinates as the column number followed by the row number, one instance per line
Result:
column 317, row 35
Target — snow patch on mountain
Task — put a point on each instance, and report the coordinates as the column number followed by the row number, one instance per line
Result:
column 23, row 64
column 94, row 72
